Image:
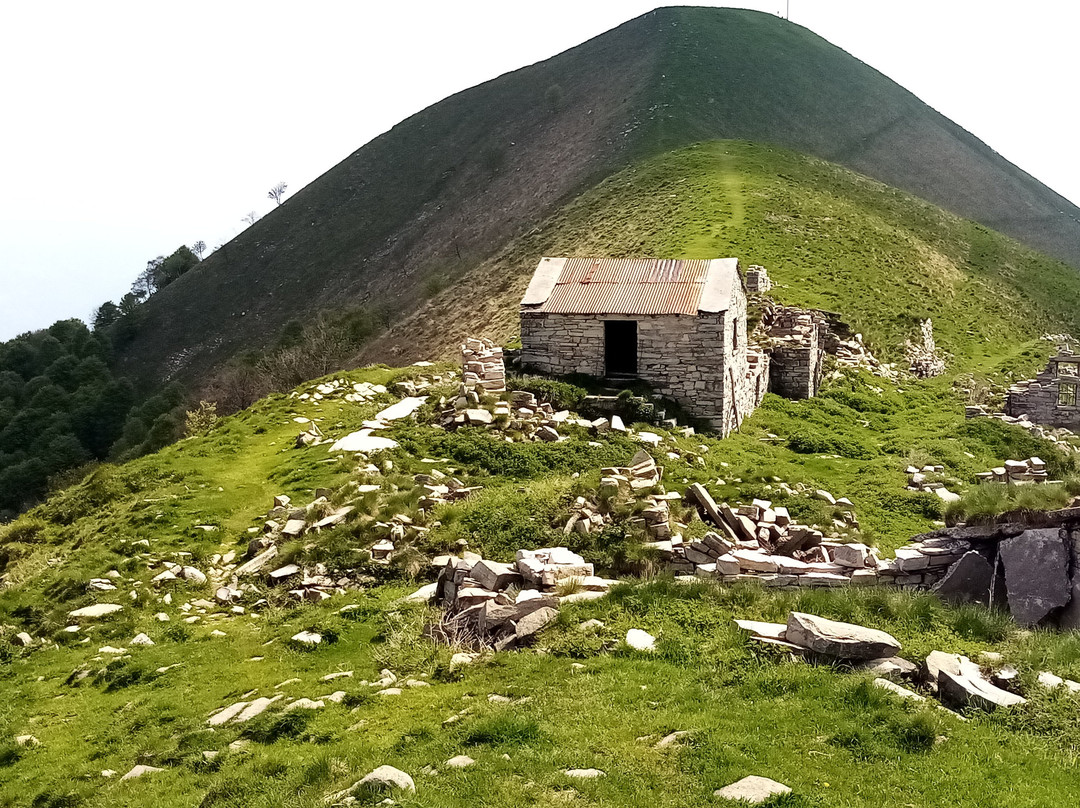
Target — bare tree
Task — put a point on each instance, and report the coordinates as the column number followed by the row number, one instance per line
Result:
column 199, row 247
column 277, row 192
column 251, row 218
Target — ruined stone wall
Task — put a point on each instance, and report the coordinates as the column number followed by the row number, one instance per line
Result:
column 1043, row 399
column 757, row 280
column 796, row 338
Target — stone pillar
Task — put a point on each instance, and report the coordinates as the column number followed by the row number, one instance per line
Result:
column 482, row 363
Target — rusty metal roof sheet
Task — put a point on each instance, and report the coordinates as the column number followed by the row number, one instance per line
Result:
column 631, row 286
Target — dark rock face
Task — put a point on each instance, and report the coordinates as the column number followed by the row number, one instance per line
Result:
column 1036, row 574
column 1069, row 619
column 967, row 581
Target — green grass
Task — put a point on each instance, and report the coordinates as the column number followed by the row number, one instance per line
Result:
column 748, row 709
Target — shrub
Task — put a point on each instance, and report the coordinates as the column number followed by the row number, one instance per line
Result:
column 559, row 394
column 200, row 420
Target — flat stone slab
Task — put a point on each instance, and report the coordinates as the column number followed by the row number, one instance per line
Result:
column 402, row 409
column 97, row 610
column 363, row 442
column 772, row 631
column 972, row 691
column 1036, row 574
column 752, row 789
column 967, row 581
column 843, row 640
column 903, row 692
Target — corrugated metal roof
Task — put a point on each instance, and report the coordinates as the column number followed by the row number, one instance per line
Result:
column 630, row 286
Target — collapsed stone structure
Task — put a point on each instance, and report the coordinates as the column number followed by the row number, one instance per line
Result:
column 925, row 362
column 482, row 366
column 1051, row 397
column 1027, row 563
column 796, row 344
column 758, row 281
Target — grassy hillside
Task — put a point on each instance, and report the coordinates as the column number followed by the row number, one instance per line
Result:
column 451, row 186
column 583, row 703
column 831, row 238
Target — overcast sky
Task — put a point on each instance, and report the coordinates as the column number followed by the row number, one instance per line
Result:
column 132, row 128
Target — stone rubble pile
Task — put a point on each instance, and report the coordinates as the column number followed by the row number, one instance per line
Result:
column 760, row 542
column 956, row 680
column 489, row 604
column 340, row 389
column 928, row 478
column 636, row 483
column 1017, row 472
column 520, row 416
column 423, row 383
column 439, row 489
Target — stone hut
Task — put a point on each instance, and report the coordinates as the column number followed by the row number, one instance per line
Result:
column 1050, row 398
column 679, row 325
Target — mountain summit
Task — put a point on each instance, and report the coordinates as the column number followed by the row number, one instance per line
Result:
column 422, row 204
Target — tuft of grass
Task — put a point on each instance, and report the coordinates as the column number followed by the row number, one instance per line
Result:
column 983, row 502
column 504, row 729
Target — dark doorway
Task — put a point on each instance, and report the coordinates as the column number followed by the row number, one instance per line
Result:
column 620, row 348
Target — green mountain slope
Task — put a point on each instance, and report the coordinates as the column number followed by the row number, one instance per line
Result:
column 831, row 238
column 586, row 702
column 452, row 185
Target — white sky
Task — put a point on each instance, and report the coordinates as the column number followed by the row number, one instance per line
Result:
column 129, row 129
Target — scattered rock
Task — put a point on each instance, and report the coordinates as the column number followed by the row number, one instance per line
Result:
column 640, row 640
column 385, row 778
column 892, row 687
column 671, row 739
column 584, row 774
column 752, row 789
column 970, row 689
column 139, row 771
column 460, row 762
column 307, row 638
